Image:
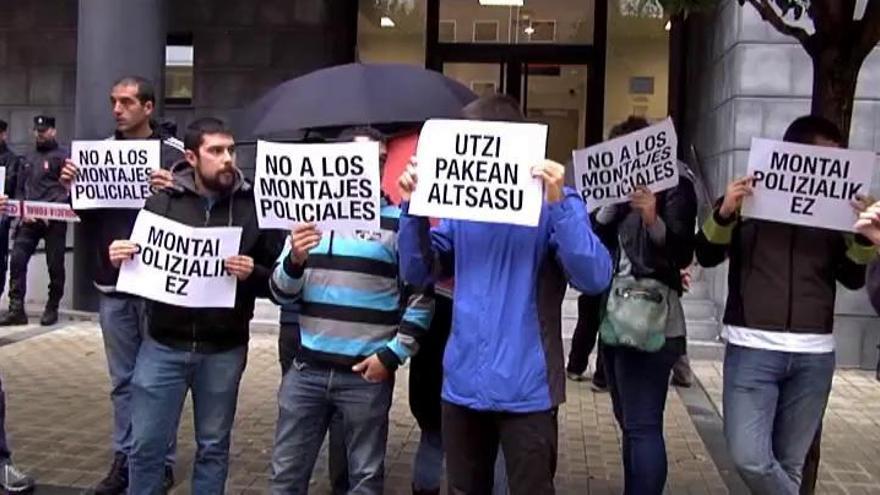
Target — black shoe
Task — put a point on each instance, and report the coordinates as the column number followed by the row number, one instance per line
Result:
column 14, row 317
column 50, row 316
column 598, row 386
column 13, row 481
column 116, row 481
column 168, row 482
column 416, row 491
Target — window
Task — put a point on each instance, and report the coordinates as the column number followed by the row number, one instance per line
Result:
column 447, row 32
column 541, row 31
column 641, row 85
column 179, row 74
column 391, row 31
column 484, row 88
column 486, row 31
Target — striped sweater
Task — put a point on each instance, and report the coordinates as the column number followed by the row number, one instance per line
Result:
column 351, row 300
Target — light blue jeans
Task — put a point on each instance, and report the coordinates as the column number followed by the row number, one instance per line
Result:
column 773, row 404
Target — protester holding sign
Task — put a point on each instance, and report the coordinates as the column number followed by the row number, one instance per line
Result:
column 39, row 181
column 10, row 163
column 505, row 351
column 779, row 359
column 121, row 316
column 643, row 330
column 202, row 350
column 358, row 323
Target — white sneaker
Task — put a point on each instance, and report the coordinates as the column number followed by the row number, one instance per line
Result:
column 12, row 480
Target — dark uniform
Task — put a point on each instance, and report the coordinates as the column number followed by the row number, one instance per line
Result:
column 11, row 162
column 39, row 180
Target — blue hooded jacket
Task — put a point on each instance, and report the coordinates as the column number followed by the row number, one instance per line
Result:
column 505, row 351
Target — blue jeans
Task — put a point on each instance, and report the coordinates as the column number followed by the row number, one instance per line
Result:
column 161, row 380
column 307, row 400
column 638, row 382
column 773, row 405
column 123, row 326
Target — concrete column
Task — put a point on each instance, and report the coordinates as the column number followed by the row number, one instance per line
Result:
column 114, row 38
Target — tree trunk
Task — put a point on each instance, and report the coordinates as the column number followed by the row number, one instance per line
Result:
column 835, row 75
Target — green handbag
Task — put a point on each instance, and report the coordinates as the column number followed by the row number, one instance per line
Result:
column 636, row 314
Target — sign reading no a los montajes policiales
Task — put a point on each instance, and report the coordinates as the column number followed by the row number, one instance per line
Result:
column 481, row 171
column 113, row 174
column 609, row 172
column 807, row 185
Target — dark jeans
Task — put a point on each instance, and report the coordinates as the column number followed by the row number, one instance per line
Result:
column 529, row 442
column 307, row 401
column 638, row 382
column 585, row 332
column 26, row 239
column 5, row 454
column 811, row 465
column 5, row 223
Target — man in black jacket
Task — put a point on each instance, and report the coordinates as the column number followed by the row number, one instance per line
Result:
column 39, row 181
column 203, row 350
column 132, row 99
column 11, row 163
column 778, row 322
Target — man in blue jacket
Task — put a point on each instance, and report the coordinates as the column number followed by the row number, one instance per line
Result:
column 504, row 371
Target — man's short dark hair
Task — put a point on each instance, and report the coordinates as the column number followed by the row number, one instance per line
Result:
column 497, row 107
column 3, row 126
column 349, row 133
column 806, row 129
column 197, row 130
column 145, row 89
column 630, row 125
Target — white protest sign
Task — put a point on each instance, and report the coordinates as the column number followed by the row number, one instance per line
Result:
column 480, row 171
column 41, row 210
column 113, row 174
column 807, row 185
column 334, row 185
column 3, row 180
column 181, row 265
column 607, row 173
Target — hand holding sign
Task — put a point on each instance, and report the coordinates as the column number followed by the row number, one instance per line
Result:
column 736, row 192
column 240, row 265
column 303, row 239
column 121, row 250
column 645, row 202
column 372, row 369
column 552, row 174
column 406, row 184
column 868, row 224
column 161, row 179
column 68, row 174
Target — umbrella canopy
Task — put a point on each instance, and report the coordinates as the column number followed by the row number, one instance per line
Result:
column 355, row 94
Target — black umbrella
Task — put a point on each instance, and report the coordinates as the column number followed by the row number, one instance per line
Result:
column 355, row 94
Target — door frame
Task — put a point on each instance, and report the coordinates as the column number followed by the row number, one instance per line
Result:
column 514, row 57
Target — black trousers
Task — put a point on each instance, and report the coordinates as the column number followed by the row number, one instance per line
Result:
column 529, row 441
column 585, row 336
column 4, row 251
column 27, row 237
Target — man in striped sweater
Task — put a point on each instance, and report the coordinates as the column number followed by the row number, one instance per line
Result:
column 358, row 323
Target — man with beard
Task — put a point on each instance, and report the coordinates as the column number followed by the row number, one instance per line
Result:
column 202, row 350
column 132, row 100
column 39, row 181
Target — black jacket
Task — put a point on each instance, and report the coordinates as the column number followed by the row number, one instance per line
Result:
column 782, row 277
column 677, row 207
column 39, row 175
column 211, row 330
column 12, row 163
column 108, row 224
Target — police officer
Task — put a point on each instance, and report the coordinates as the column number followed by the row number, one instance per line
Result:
column 39, row 181
column 11, row 163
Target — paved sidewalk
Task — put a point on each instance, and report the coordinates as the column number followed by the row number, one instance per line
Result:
column 59, row 419
column 851, row 433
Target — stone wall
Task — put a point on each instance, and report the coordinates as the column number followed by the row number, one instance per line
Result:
column 746, row 80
